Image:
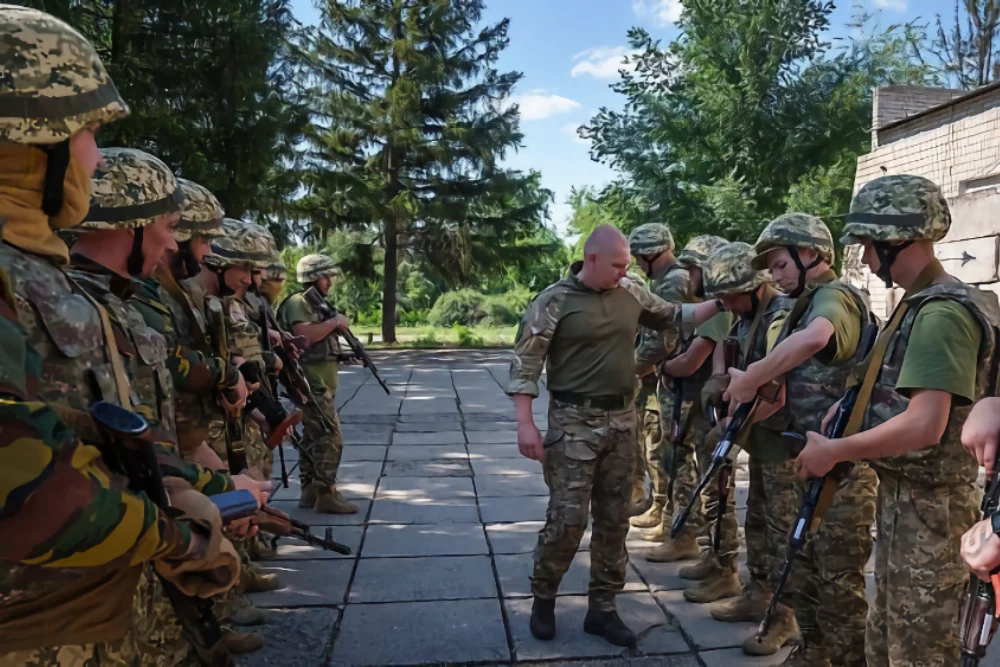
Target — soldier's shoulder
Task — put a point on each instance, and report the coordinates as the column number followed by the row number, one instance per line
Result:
column 675, row 283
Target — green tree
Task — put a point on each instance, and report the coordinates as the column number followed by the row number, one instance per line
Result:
column 410, row 123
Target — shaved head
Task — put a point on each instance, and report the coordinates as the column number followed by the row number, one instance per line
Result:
column 606, row 258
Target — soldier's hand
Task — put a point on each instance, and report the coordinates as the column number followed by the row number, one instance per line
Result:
column 275, row 337
column 742, row 388
column 242, row 527
column 981, row 432
column 981, row 549
column 236, row 407
column 829, row 415
column 341, row 322
column 260, row 490
column 529, row 441
column 818, row 457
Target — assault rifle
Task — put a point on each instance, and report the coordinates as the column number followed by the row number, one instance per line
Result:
column 820, row 491
column 981, row 602
column 328, row 312
column 278, row 524
column 127, row 449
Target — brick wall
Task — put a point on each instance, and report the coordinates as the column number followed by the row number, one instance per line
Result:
column 893, row 103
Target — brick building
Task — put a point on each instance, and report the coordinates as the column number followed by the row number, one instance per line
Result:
column 951, row 137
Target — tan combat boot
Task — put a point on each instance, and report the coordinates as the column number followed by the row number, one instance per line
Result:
column 242, row 642
column 657, row 533
column 310, row 492
column 641, row 501
column 749, row 607
column 650, row 518
column 784, row 630
column 330, row 501
column 723, row 583
column 252, row 580
column 683, row 548
column 707, row 565
column 249, row 616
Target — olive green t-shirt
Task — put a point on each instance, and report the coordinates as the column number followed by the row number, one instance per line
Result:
column 841, row 310
column 716, row 329
column 942, row 352
column 294, row 310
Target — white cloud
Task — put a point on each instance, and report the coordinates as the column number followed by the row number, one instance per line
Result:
column 895, row 5
column 571, row 130
column 665, row 12
column 602, row 62
column 539, row 104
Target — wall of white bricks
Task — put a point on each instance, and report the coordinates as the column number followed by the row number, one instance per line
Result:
column 892, row 103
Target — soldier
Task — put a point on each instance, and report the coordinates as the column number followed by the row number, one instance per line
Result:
column 321, row 446
column 815, row 353
column 582, row 329
column 76, row 538
column 273, row 282
column 931, row 362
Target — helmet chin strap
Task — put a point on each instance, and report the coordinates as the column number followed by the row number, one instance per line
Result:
column 649, row 263
column 185, row 264
column 136, row 258
column 794, row 252
column 55, row 177
column 887, row 253
column 754, row 301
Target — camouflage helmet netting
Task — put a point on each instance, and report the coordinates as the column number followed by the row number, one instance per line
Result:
column 898, row 208
column 313, row 266
column 131, row 189
column 201, row 213
column 53, row 82
column 650, row 239
column 729, row 271
column 241, row 243
column 698, row 250
column 797, row 230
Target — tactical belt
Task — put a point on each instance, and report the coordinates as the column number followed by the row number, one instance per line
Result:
column 598, row 402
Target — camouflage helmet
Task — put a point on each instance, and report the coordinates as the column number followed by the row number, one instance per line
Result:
column 53, row 84
column 794, row 230
column 312, row 267
column 651, row 239
column 241, row 243
column 276, row 270
column 898, row 208
column 729, row 270
column 201, row 213
column 131, row 189
column 698, row 250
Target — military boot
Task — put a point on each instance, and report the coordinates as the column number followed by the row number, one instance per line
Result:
column 784, row 630
column 330, row 501
column 804, row 656
column 641, row 501
column 310, row 492
column 254, row 581
column 242, row 642
column 608, row 624
column 249, row 616
column 723, row 583
column 543, row 618
column 707, row 565
column 683, row 548
column 749, row 607
column 657, row 533
column 650, row 518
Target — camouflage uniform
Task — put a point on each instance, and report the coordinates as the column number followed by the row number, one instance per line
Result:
column 322, row 445
column 927, row 498
column 81, row 535
column 589, row 449
column 826, row 588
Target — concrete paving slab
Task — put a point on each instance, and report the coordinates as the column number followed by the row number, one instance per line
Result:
column 422, row 579
column 480, row 422
column 514, row 571
column 727, row 657
column 444, row 420
column 428, row 468
column 409, row 453
column 431, row 438
column 290, row 548
column 638, row 610
column 390, row 540
column 686, row 660
column 314, row 518
column 348, row 419
column 354, row 453
column 356, row 434
column 407, row 488
column 450, row 632
column 506, row 466
column 521, row 538
column 494, row 452
column 661, row 576
column 425, row 427
column 307, row 583
column 703, row 630
column 358, row 480
column 510, row 486
column 294, row 637
column 429, row 404
column 508, row 510
column 491, row 437
column 425, row 511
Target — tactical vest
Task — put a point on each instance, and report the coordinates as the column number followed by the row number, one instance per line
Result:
column 753, row 346
column 242, row 335
column 325, row 350
column 812, row 387
column 946, row 462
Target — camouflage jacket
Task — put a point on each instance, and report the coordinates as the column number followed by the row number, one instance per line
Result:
column 74, row 533
column 674, row 284
column 814, row 386
column 587, row 356
column 946, row 462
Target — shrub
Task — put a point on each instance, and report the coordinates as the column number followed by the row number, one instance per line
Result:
column 467, row 337
column 464, row 306
column 429, row 339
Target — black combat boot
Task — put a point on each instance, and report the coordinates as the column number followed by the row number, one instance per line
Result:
column 543, row 618
column 609, row 625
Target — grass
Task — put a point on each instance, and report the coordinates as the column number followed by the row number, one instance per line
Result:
column 432, row 337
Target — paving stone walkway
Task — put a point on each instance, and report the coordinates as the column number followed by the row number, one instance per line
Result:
column 442, row 544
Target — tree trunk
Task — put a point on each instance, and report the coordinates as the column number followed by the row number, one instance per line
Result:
column 389, row 283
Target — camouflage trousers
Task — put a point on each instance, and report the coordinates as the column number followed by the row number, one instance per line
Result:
column 84, row 655
column 681, row 465
column 826, row 587
column 158, row 638
column 649, row 454
column 919, row 573
column 588, row 465
column 259, row 456
column 728, row 527
column 322, row 445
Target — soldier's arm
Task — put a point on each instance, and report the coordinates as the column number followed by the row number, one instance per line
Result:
column 658, row 345
column 538, row 326
column 197, row 374
column 691, row 359
column 660, row 315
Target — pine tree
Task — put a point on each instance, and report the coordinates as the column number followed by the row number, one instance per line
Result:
column 411, row 120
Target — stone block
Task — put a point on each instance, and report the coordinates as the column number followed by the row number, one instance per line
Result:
column 422, row 579
column 307, row 583
column 521, row 538
column 507, row 466
column 313, row 518
column 354, row 453
column 290, row 548
column 507, row 510
column 514, row 571
column 510, row 486
column 430, row 438
column 393, row 540
column 407, row 453
column 425, row 511
column 293, row 637
column 701, row 628
column 497, row 437
column 428, row 468
column 408, row 488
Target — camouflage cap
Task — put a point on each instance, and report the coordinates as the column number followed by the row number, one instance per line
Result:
column 241, row 243
column 650, row 239
column 201, row 213
column 898, row 208
column 729, row 271
column 131, row 189
column 313, row 266
column 794, row 230
column 698, row 249
column 53, row 83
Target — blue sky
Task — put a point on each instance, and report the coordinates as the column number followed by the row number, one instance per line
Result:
column 568, row 51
